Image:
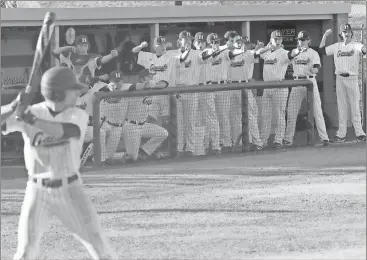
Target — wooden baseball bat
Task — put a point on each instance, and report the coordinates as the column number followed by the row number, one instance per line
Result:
column 43, row 45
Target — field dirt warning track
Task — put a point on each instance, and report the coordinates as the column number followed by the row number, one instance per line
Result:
column 299, row 204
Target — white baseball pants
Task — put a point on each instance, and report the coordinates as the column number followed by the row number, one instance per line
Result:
column 223, row 106
column 273, row 99
column 348, row 94
column 89, row 138
column 113, row 136
column 187, row 105
column 209, row 118
column 133, row 133
column 75, row 210
column 294, row 103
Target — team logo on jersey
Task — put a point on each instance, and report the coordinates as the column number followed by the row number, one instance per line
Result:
column 240, row 63
column 302, row 62
column 147, row 101
column 82, row 105
column 345, row 53
column 159, row 68
column 40, row 139
column 271, row 62
column 188, row 64
column 217, row 62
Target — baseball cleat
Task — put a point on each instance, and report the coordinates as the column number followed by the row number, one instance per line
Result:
column 278, row 145
column 216, row 152
column 339, row 140
column 361, row 138
column 226, row 149
column 287, row 143
column 325, row 142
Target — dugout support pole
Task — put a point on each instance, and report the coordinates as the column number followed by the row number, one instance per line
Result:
column 245, row 128
column 96, row 131
column 310, row 116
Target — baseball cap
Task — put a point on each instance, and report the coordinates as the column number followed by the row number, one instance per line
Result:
column 185, row 35
column 345, row 27
column 61, row 79
column 276, row 34
column 144, row 73
column 199, row 37
column 81, row 39
column 159, row 40
column 115, row 76
column 212, row 37
column 230, row 34
column 303, row 35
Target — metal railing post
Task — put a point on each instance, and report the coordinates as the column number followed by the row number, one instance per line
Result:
column 96, row 130
column 245, row 127
column 172, row 137
column 310, row 116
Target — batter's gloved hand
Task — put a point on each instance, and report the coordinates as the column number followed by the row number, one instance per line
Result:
column 144, row 44
column 27, row 117
column 21, row 103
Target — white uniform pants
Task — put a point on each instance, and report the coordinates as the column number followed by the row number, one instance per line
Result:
column 133, row 133
column 113, row 136
column 294, row 103
column 75, row 210
column 348, row 94
column 223, row 106
column 209, row 118
column 273, row 99
column 89, row 138
column 187, row 105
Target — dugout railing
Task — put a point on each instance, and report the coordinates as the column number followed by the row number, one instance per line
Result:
column 173, row 91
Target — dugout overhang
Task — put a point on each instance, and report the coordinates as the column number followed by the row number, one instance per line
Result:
column 173, row 14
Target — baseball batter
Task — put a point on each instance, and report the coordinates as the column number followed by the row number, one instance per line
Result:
column 276, row 61
column 78, row 59
column 207, row 111
column 220, row 65
column 53, row 133
column 346, row 55
column 136, row 127
column 305, row 66
column 242, row 68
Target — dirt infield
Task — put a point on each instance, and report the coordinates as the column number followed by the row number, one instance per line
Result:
column 299, row 204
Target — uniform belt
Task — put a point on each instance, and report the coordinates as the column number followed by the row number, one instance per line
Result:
column 218, row 82
column 55, row 183
column 134, row 122
column 303, row 77
column 115, row 124
column 242, row 81
column 345, row 75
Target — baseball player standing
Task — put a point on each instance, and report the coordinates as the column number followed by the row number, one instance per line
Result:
column 53, row 133
column 161, row 64
column 220, row 65
column 79, row 60
column 305, row 66
column 242, row 68
column 347, row 55
column 136, row 126
column 207, row 111
column 276, row 61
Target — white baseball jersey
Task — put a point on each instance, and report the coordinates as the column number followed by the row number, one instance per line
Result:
column 187, row 73
column 275, row 64
column 346, row 57
column 114, row 112
column 204, row 69
column 304, row 62
column 242, row 66
column 45, row 154
column 163, row 66
column 220, row 67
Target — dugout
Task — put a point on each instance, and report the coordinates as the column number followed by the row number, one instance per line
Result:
column 107, row 28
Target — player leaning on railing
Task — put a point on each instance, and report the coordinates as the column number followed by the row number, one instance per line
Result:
column 346, row 55
column 276, row 60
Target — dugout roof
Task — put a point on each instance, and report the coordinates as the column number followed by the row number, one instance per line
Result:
column 173, row 14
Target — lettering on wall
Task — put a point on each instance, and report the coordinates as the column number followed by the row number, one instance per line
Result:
column 289, row 33
column 15, row 76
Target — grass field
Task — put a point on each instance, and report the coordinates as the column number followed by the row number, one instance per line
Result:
column 299, row 204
